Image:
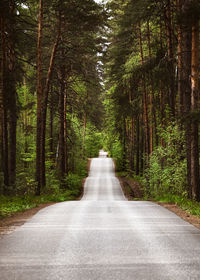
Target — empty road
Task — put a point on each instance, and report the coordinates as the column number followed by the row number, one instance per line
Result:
column 103, row 236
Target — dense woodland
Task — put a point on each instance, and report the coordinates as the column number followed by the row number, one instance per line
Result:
column 50, row 92
column 77, row 76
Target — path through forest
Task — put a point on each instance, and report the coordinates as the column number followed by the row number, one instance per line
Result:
column 103, row 236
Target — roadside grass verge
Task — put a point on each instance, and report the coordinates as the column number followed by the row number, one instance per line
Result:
column 188, row 205
column 19, row 203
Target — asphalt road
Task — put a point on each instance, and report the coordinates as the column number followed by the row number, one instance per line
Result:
column 103, row 236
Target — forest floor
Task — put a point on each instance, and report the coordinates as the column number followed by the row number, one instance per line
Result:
column 10, row 222
column 132, row 191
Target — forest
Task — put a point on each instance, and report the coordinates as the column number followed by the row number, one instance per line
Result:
column 79, row 76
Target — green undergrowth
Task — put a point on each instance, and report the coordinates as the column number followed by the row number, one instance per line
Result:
column 192, row 207
column 125, row 174
column 70, row 189
column 188, row 205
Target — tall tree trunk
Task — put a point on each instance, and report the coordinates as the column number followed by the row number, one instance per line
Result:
column 39, row 98
column 179, row 63
column 194, row 107
column 1, row 97
column 42, row 99
column 124, row 144
column 137, row 170
column 45, row 101
column 4, row 119
column 65, row 132
column 131, row 136
column 141, row 148
column 62, row 123
column 170, row 50
column 12, row 96
column 145, row 99
column 84, row 132
column 186, row 32
column 132, row 143
column 51, row 113
column 153, row 128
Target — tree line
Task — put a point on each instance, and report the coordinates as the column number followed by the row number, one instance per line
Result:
column 50, row 107
column 152, row 83
column 59, row 103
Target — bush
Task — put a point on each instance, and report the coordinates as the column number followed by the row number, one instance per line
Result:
column 117, row 154
column 166, row 173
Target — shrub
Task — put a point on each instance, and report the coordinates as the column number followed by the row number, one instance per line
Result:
column 166, row 173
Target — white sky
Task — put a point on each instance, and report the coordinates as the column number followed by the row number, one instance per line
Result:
column 100, row 1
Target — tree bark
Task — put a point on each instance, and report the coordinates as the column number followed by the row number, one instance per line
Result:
column 186, row 31
column 65, row 132
column 4, row 101
column 179, row 62
column 141, row 148
column 62, row 123
column 153, row 128
column 1, row 96
column 51, row 112
column 132, row 143
column 12, row 99
column 84, row 132
column 194, row 107
column 39, row 97
column 145, row 99
column 170, row 51
column 137, row 170
column 42, row 99
column 45, row 101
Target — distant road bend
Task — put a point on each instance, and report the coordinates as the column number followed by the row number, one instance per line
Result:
column 103, row 236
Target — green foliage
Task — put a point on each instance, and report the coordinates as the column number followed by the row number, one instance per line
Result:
column 93, row 142
column 116, row 152
column 183, row 202
column 73, row 185
column 70, row 189
column 166, row 173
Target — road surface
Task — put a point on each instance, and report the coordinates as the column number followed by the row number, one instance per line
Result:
column 103, row 236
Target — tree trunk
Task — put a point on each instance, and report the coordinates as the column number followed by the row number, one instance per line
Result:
column 179, row 63
column 170, row 51
column 45, row 101
column 62, row 123
column 153, row 128
column 186, row 32
column 39, row 98
column 51, row 112
column 84, row 132
column 42, row 99
column 65, row 133
column 141, row 148
column 194, row 107
column 132, row 142
column 1, row 97
column 138, row 147
column 145, row 100
column 12, row 96
column 4, row 119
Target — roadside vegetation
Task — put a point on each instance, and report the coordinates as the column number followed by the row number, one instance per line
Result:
column 77, row 76
column 51, row 112
column 152, row 100
column 71, row 189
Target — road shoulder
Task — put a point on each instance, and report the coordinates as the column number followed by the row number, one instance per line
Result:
column 132, row 191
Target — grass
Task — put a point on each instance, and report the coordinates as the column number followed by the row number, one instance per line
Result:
column 188, row 205
column 192, row 207
column 10, row 205
column 136, row 178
